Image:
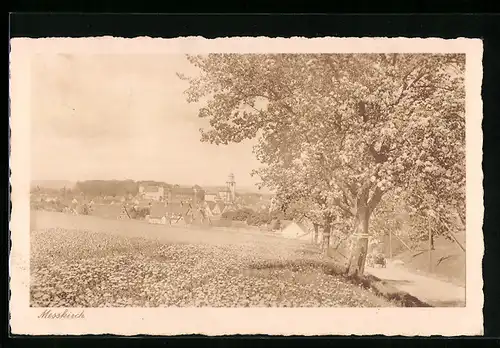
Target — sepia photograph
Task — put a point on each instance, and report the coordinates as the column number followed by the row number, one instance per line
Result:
column 205, row 179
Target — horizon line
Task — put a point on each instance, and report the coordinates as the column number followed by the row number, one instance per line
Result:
column 253, row 187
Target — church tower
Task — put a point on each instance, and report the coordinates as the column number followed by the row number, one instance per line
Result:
column 231, row 186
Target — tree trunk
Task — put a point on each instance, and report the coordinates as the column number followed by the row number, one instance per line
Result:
column 326, row 235
column 360, row 247
column 316, row 233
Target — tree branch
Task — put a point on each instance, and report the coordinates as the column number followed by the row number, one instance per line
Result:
column 384, row 58
column 334, row 67
column 408, row 86
column 368, row 183
column 345, row 198
column 344, row 207
column 375, row 199
column 346, row 192
column 394, row 58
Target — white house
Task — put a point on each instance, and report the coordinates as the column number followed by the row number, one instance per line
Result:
column 296, row 230
column 211, row 197
column 157, row 220
column 154, row 193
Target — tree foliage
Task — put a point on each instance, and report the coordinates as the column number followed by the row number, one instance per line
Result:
column 95, row 188
column 115, row 188
column 252, row 217
column 338, row 131
column 139, row 213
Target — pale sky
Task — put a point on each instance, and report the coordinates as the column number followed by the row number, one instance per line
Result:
column 124, row 117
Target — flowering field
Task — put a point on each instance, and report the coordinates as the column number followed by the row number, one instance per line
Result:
column 81, row 267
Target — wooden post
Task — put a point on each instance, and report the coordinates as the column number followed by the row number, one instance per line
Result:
column 450, row 233
column 402, row 242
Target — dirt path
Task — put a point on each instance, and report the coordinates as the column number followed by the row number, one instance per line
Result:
column 432, row 291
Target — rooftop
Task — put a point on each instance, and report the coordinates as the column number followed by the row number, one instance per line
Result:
column 151, row 189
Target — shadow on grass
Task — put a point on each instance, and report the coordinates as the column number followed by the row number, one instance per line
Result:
column 382, row 288
column 398, row 281
column 308, row 251
column 298, row 265
column 369, row 282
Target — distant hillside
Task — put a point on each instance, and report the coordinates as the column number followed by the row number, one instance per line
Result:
column 448, row 259
column 52, row 184
column 122, row 187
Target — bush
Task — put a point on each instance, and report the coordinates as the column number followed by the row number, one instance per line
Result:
column 228, row 215
column 258, row 219
column 275, row 224
column 238, row 215
column 139, row 213
column 85, row 210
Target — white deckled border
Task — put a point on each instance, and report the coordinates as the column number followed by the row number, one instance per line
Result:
column 212, row 321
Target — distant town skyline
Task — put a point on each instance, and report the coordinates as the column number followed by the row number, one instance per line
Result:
column 55, row 183
column 105, row 117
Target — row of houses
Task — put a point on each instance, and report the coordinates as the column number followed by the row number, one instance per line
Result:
column 159, row 212
column 174, row 212
column 226, row 194
column 124, row 209
column 194, row 195
column 158, row 193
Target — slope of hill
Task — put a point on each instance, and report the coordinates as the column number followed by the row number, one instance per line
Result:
column 447, row 260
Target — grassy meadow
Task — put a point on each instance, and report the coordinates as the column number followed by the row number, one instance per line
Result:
column 85, row 261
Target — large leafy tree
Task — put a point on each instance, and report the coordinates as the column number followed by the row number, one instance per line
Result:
column 339, row 130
